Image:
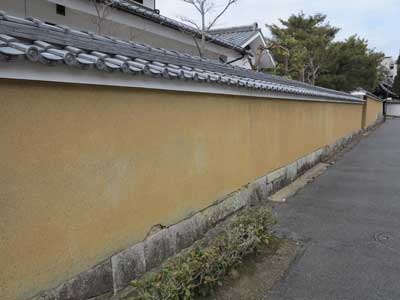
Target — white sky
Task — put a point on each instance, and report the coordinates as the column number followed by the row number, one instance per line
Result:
column 378, row 21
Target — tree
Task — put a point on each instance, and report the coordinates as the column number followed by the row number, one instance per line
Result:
column 205, row 9
column 103, row 9
column 351, row 64
column 396, row 84
column 306, row 39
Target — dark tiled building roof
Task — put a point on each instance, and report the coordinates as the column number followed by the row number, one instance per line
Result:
column 152, row 15
column 38, row 42
column 236, row 35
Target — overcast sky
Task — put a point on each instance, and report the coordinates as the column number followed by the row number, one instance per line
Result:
column 376, row 20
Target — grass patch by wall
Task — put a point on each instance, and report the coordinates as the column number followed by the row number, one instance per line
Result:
column 200, row 269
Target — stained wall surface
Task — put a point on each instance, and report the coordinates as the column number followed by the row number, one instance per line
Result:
column 373, row 111
column 86, row 171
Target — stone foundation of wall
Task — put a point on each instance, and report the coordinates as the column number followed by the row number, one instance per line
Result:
column 116, row 272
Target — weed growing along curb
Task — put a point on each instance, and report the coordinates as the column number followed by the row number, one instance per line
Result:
column 198, row 271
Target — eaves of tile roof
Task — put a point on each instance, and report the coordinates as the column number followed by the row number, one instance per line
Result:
column 236, row 35
column 38, row 42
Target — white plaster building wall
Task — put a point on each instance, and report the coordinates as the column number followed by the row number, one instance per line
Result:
column 150, row 3
column 390, row 65
column 14, row 7
column 80, row 14
column 254, row 45
column 393, row 109
column 244, row 63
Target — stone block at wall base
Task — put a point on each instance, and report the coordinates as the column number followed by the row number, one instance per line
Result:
column 115, row 273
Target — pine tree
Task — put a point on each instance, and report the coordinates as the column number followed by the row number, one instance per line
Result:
column 351, row 64
column 306, row 38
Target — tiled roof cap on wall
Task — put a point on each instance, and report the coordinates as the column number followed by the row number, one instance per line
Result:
column 360, row 92
column 52, row 45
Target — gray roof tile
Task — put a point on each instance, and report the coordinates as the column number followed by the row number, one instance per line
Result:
column 149, row 14
column 56, row 44
column 236, row 35
column 236, row 38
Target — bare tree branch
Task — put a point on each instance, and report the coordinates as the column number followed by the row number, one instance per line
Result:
column 190, row 21
column 205, row 8
column 212, row 23
column 194, row 3
column 103, row 9
column 197, row 44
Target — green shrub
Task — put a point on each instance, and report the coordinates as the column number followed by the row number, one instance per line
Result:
column 198, row 271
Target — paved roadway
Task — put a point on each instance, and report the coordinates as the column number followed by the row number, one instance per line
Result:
column 349, row 221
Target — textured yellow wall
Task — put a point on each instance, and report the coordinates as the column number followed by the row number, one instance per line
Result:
column 373, row 110
column 86, row 171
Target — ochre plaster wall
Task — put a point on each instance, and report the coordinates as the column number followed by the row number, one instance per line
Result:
column 373, row 110
column 85, row 171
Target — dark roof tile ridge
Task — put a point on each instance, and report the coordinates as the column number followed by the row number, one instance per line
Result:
column 234, row 29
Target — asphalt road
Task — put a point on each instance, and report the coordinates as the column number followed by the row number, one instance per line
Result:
column 349, row 221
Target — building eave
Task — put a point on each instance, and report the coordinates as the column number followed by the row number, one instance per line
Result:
column 153, row 16
column 253, row 38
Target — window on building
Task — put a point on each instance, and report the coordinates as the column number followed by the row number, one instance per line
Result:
column 149, row 4
column 60, row 9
